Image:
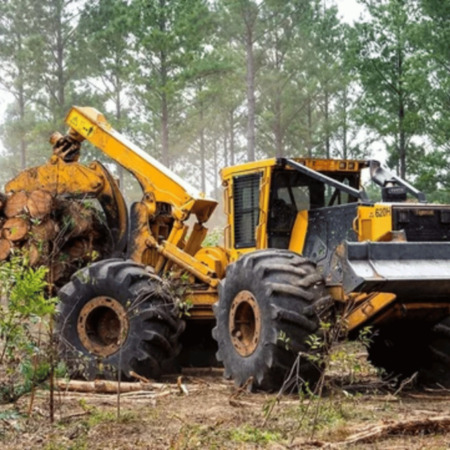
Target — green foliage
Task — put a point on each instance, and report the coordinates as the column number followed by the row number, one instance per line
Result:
column 24, row 319
column 190, row 81
column 249, row 434
column 214, row 238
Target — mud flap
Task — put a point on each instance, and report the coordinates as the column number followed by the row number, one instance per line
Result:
column 413, row 270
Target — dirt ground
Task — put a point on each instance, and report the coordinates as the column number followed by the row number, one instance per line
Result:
column 202, row 410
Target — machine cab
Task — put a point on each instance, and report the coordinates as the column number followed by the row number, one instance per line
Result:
column 267, row 202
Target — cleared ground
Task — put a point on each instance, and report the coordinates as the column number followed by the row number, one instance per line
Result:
column 202, row 410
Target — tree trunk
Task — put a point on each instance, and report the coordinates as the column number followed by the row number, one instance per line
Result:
column 202, row 150
column 251, row 103
column 309, row 115
column 118, row 118
column 327, row 124
column 216, row 180
column 232, row 138
column 225, row 151
column 344, row 123
column 278, row 130
column 164, row 99
column 60, row 64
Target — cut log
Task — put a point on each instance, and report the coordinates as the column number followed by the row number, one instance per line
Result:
column 45, row 231
column 78, row 249
column 77, row 220
column 5, row 249
column 39, row 204
column 15, row 229
column 16, row 204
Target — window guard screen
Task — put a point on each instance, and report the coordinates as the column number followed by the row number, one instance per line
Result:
column 246, row 209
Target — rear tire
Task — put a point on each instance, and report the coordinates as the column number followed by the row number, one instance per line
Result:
column 403, row 351
column 437, row 372
column 115, row 315
column 269, row 304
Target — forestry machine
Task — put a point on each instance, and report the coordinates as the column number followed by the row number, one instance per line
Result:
column 304, row 247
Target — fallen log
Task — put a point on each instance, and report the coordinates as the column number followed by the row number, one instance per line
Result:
column 102, row 386
column 15, row 229
column 16, row 204
column 423, row 425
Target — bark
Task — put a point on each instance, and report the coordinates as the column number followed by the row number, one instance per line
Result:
column 251, row 102
column 327, row 124
column 309, row 116
column 202, row 151
column 164, row 99
column 345, row 124
column 60, row 61
column 232, row 138
column 119, row 117
column 401, row 116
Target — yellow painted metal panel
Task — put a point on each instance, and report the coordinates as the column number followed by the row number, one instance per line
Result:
column 299, row 231
column 373, row 222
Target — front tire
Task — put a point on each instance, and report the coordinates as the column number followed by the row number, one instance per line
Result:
column 116, row 316
column 269, row 304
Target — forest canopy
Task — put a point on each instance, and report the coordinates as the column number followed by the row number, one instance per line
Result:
column 202, row 84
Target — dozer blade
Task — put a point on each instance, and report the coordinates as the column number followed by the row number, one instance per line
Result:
column 411, row 270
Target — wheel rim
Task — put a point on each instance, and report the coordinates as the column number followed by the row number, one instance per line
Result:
column 245, row 323
column 103, row 326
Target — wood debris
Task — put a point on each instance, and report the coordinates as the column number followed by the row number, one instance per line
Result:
column 423, row 425
column 101, row 386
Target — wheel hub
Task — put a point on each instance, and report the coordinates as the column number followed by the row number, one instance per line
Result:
column 102, row 326
column 245, row 323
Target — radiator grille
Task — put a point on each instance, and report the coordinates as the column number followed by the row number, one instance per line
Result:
column 424, row 223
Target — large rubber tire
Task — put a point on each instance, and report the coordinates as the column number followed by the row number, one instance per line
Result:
column 109, row 298
column 288, row 295
column 402, row 350
column 437, row 372
column 398, row 350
